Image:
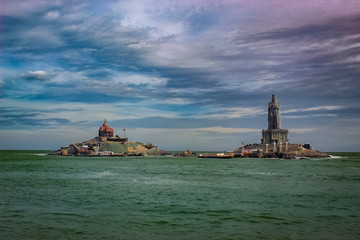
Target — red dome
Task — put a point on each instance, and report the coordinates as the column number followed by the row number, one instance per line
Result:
column 109, row 129
column 105, row 130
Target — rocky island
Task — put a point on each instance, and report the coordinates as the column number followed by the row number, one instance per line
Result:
column 274, row 142
column 108, row 145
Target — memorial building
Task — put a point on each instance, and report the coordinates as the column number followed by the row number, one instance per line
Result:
column 105, row 130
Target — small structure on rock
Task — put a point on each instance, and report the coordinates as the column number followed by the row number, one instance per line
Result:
column 187, row 153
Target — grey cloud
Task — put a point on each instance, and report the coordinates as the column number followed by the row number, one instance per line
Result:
column 27, row 120
column 332, row 28
column 11, row 116
column 36, row 75
column 315, row 57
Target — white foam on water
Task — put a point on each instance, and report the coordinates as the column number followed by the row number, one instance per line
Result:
column 331, row 156
column 106, row 173
column 40, row 154
column 163, row 182
column 263, row 173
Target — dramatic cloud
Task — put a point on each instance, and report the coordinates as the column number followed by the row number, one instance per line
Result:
column 36, row 75
column 176, row 64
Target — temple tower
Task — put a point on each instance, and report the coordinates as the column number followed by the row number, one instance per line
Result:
column 274, row 133
column 105, row 130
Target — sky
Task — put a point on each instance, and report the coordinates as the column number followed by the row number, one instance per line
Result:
column 181, row 74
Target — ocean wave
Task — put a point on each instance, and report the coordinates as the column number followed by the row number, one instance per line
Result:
column 162, row 182
column 106, row 173
column 263, row 173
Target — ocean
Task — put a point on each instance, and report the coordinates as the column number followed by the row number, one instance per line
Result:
column 54, row 197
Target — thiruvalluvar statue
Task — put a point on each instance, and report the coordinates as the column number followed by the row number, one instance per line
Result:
column 274, row 121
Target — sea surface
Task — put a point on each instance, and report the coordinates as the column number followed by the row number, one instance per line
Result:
column 55, row 197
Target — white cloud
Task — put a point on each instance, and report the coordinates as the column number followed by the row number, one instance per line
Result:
column 238, row 112
column 324, row 108
column 52, row 15
column 310, row 116
column 138, row 79
column 35, row 75
column 318, row 108
column 182, row 55
column 145, row 14
column 177, row 101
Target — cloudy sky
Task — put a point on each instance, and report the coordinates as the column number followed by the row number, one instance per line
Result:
column 181, row 74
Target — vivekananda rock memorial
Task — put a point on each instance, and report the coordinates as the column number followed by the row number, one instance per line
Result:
column 274, row 144
column 105, row 144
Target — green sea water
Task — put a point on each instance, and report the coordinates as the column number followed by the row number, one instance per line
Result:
column 54, row 197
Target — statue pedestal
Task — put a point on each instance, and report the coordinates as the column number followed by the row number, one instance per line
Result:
column 270, row 136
